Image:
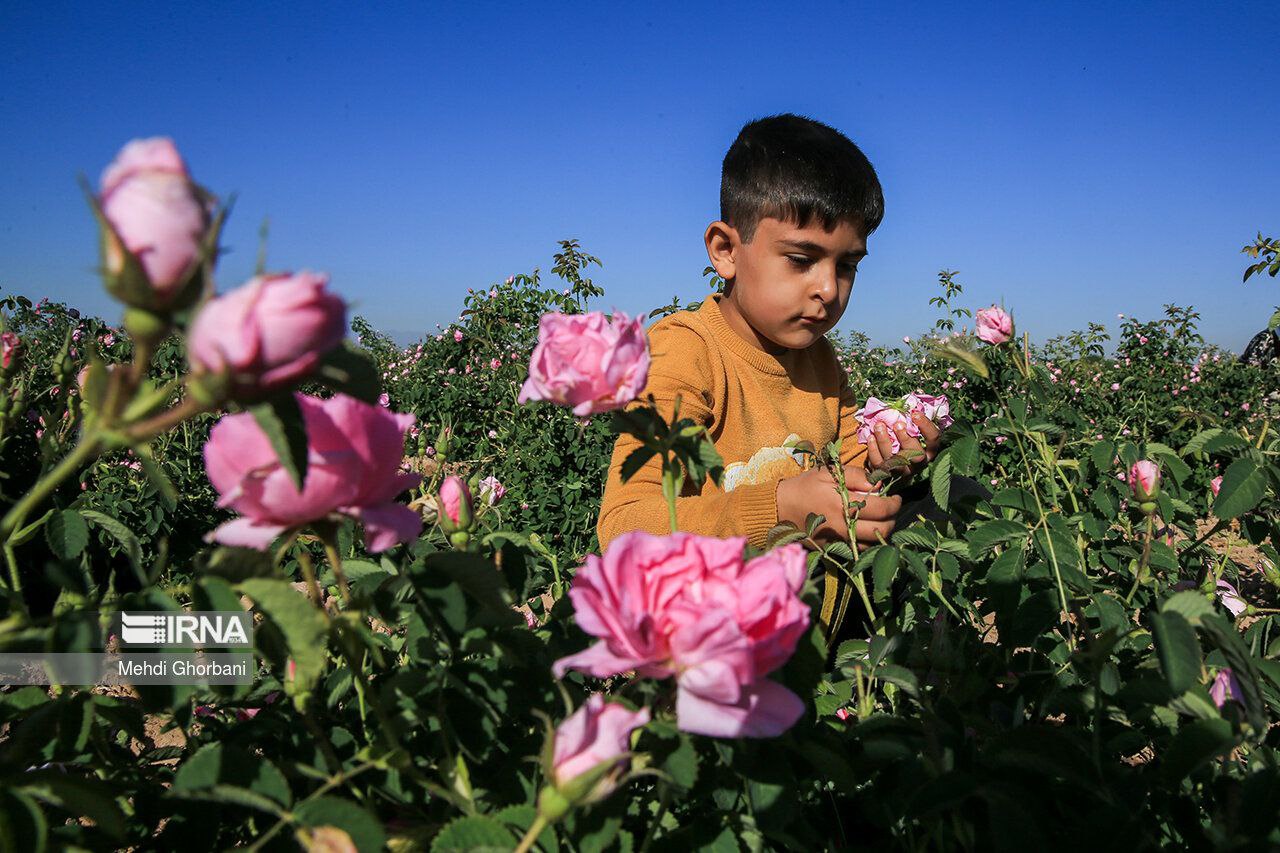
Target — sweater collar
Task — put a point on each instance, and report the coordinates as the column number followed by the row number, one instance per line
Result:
column 776, row 365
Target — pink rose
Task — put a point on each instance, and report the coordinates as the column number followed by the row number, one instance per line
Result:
column 353, row 469
column 1144, row 480
column 1226, row 687
column 877, row 412
column 689, row 606
column 1231, row 599
column 268, row 334
column 10, row 346
column 491, row 490
column 588, row 362
column 994, row 325
column 1216, row 485
column 456, row 503
column 598, row 733
column 935, row 407
column 158, row 213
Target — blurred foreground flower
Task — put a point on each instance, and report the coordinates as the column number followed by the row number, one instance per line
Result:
column 160, row 216
column 1225, row 687
column 689, row 606
column 267, row 334
column 588, row 362
column 591, row 747
column 353, row 469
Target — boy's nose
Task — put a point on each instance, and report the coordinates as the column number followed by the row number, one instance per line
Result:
column 826, row 287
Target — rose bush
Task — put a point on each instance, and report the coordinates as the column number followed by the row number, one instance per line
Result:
column 1041, row 659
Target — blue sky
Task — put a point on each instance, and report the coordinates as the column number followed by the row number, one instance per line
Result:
column 1073, row 160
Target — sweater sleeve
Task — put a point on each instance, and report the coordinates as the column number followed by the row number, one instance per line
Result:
column 681, row 365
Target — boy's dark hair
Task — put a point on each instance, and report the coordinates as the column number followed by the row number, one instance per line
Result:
column 794, row 168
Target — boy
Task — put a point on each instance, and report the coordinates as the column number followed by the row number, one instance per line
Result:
column 797, row 203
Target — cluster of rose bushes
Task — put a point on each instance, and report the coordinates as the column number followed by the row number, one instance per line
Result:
column 1061, row 651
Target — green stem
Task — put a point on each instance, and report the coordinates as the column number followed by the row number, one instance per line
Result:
column 328, row 535
column 652, row 832
column 535, row 829
column 1146, row 556
column 335, row 781
column 670, row 477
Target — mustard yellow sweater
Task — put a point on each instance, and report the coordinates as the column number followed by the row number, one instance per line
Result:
column 755, row 407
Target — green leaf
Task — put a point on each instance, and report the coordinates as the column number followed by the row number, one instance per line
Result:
column 964, row 456
column 1195, row 743
column 1243, row 485
column 365, row 830
column 682, row 763
column 280, row 419
column 1191, row 605
column 1015, row 498
column 123, row 535
column 22, row 823
column 989, row 534
column 884, row 568
column 159, row 479
column 1197, row 442
column 349, row 370
column 67, row 533
column 474, row 834
column 216, row 765
column 636, row 460
column 940, row 480
column 303, row 626
column 1177, row 649
column 77, row 795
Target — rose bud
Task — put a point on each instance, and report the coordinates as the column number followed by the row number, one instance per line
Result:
column 455, row 505
column 587, row 362
column 590, row 750
column 266, row 335
column 994, row 325
column 1144, row 482
column 1225, row 688
column 161, row 217
column 1216, row 485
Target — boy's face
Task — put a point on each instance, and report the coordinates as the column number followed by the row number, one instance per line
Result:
column 790, row 285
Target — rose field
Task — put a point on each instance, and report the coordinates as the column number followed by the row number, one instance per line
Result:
column 1076, row 645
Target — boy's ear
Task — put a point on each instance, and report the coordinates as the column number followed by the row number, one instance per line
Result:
column 722, row 245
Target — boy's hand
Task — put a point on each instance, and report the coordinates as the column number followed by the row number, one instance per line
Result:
column 815, row 491
column 882, row 448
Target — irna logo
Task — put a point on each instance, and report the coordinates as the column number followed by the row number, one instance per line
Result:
column 201, row 628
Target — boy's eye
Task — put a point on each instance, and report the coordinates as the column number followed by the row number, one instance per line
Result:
column 800, row 260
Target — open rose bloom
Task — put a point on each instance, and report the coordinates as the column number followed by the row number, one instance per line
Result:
column 690, row 607
column 587, row 362
column 935, row 407
column 353, row 469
